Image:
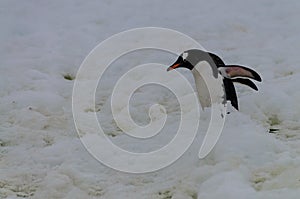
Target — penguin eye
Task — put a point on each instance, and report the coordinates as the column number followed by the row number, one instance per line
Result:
column 184, row 55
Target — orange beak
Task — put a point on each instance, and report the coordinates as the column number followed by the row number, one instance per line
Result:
column 173, row 67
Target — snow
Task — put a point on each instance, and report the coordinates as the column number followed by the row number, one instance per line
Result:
column 41, row 155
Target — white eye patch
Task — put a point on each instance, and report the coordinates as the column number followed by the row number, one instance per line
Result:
column 184, row 55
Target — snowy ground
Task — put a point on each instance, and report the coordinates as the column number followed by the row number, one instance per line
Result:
column 43, row 41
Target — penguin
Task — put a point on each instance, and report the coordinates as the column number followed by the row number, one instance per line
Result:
column 198, row 60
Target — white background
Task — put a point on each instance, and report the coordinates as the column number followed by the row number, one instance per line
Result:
column 40, row 153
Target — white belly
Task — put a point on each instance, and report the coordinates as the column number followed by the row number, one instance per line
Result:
column 215, row 93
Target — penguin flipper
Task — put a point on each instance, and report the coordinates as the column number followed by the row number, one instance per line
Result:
column 241, row 71
column 231, row 93
column 246, row 82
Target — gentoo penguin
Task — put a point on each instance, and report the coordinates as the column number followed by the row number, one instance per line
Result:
column 193, row 59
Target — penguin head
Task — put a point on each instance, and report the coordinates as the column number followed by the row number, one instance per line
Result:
column 182, row 62
column 190, row 58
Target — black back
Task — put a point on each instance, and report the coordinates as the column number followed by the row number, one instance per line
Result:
column 228, row 84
